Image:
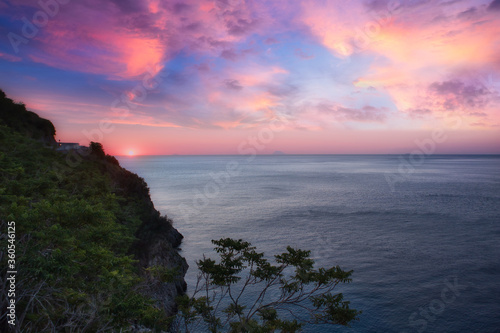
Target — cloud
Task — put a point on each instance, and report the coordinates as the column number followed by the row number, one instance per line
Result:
column 238, row 16
column 283, row 90
column 468, row 14
column 494, row 5
column 377, row 4
column 240, row 26
column 181, row 8
column 271, row 41
column 203, row 67
column 478, row 114
column 121, row 38
column 10, row 57
column 418, row 113
column 128, row 6
column 458, row 95
column 233, row 84
column 303, row 55
column 229, row 55
column 237, row 63
column 480, row 124
column 365, row 114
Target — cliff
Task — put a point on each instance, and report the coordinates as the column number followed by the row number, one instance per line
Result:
column 15, row 116
column 93, row 254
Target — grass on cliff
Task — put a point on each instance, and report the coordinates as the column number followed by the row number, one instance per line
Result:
column 75, row 229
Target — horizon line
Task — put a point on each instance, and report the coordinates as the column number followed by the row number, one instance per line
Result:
column 305, row 154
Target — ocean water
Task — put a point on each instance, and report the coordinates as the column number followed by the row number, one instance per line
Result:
column 423, row 237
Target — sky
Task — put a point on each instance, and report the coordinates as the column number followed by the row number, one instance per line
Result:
column 158, row 77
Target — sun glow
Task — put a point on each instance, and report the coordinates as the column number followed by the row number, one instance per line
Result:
column 131, row 153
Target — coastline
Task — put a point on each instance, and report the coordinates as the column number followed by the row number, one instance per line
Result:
column 89, row 241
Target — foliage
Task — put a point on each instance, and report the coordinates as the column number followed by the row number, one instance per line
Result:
column 15, row 116
column 245, row 292
column 81, row 227
column 97, row 150
column 77, row 227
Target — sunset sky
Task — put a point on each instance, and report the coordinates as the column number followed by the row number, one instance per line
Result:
column 309, row 76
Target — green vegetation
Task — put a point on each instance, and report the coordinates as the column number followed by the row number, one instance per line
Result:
column 93, row 255
column 244, row 292
column 84, row 227
column 15, row 116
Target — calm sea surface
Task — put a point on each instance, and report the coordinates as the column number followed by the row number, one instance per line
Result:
column 422, row 237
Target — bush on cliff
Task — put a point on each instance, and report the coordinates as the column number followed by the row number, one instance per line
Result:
column 81, row 230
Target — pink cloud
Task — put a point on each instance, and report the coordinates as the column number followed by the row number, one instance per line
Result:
column 10, row 57
column 121, row 39
column 412, row 66
column 433, row 65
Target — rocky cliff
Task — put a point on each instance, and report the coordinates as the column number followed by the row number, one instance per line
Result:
column 93, row 252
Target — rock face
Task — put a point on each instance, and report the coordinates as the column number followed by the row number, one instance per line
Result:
column 157, row 240
column 157, row 247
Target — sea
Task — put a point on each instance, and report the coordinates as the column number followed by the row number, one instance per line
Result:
column 421, row 233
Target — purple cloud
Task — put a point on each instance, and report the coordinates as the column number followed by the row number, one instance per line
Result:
column 233, row 84
column 494, row 5
column 229, row 55
column 365, row 114
column 303, row 55
column 271, row 41
column 457, row 94
column 419, row 113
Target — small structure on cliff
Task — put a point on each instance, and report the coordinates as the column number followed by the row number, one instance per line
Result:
column 65, row 146
column 68, row 146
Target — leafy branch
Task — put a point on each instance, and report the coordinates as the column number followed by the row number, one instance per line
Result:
column 244, row 292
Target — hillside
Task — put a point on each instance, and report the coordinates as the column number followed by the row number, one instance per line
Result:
column 92, row 252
